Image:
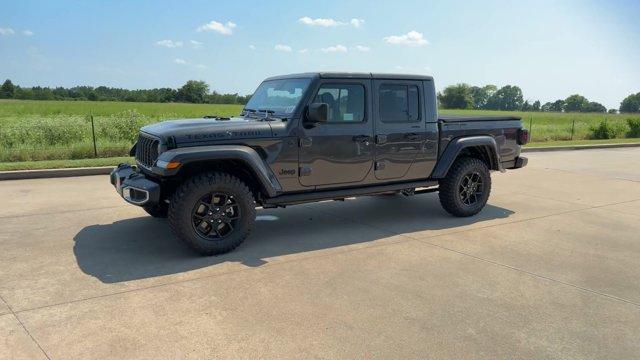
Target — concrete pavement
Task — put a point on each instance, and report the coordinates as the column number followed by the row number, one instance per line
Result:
column 548, row 270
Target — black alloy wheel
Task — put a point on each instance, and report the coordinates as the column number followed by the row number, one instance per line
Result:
column 216, row 215
column 470, row 189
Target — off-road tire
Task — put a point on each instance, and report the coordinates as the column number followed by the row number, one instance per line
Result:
column 157, row 210
column 189, row 193
column 449, row 191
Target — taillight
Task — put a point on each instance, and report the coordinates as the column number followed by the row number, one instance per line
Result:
column 523, row 136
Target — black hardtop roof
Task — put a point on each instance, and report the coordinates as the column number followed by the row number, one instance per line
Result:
column 351, row 75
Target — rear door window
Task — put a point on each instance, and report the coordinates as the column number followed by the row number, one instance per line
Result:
column 399, row 103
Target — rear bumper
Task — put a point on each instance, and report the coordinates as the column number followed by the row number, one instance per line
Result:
column 517, row 163
column 521, row 162
column 133, row 186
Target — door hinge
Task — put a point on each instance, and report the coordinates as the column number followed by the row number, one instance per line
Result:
column 304, row 142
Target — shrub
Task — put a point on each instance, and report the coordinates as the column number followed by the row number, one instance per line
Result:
column 634, row 128
column 604, row 130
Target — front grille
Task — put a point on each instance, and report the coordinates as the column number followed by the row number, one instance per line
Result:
column 147, row 150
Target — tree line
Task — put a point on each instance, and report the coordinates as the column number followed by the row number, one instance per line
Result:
column 510, row 98
column 191, row 92
column 460, row 96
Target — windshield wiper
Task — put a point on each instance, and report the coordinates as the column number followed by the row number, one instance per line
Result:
column 249, row 112
column 268, row 115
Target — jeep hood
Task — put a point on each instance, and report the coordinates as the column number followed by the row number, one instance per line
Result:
column 206, row 130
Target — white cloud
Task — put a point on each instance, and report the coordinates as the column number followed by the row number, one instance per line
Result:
column 6, row 31
column 412, row 38
column 398, row 67
column 27, row 32
column 303, row 51
column 202, row 66
column 356, row 23
column 252, row 47
column 328, row 22
column 220, row 28
column 362, row 48
column 196, row 44
column 337, row 48
column 282, row 47
column 180, row 61
column 319, row 22
column 169, row 43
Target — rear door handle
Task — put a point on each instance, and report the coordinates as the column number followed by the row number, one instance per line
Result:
column 412, row 136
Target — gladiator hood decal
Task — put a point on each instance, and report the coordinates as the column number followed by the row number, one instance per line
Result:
column 206, row 130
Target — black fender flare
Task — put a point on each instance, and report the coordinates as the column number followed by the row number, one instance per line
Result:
column 245, row 154
column 456, row 145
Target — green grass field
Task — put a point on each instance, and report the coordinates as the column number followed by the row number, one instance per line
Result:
column 17, row 108
column 56, row 130
column 61, row 130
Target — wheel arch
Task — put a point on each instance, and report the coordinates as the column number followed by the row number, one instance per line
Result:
column 482, row 147
column 237, row 160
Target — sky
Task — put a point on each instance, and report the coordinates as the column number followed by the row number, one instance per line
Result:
column 551, row 49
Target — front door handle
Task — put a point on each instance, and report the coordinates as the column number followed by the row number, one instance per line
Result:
column 412, row 136
column 362, row 139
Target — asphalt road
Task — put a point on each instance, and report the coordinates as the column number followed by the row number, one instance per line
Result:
column 550, row 269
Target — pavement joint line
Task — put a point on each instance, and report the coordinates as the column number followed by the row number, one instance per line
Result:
column 620, row 212
column 569, row 202
column 408, row 238
column 550, row 199
column 62, row 212
column 424, row 240
column 598, row 177
column 24, row 327
column 213, row 276
column 612, row 297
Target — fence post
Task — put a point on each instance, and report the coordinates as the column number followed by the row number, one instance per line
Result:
column 573, row 126
column 530, row 127
column 93, row 134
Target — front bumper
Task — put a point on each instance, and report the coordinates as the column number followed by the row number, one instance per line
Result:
column 133, row 186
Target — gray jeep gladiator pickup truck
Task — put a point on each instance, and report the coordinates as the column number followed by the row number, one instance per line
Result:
column 312, row 137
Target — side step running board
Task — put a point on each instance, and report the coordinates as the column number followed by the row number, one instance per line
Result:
column 300, row 198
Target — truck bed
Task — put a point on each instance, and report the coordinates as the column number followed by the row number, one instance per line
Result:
column 502, row 128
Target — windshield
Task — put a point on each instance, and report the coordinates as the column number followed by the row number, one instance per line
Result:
column 278, row 96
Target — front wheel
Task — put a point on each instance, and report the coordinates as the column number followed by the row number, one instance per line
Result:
column 465, row 190
column 213, row 213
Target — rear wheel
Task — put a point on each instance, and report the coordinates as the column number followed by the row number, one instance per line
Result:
column 212, row 213
column 466, row 188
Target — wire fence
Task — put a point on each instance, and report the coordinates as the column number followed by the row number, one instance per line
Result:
column 63, row 137
column 35, row 138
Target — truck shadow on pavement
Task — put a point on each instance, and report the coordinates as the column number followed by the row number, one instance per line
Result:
column 143, row 247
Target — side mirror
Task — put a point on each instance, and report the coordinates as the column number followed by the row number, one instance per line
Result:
column 318, row 113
